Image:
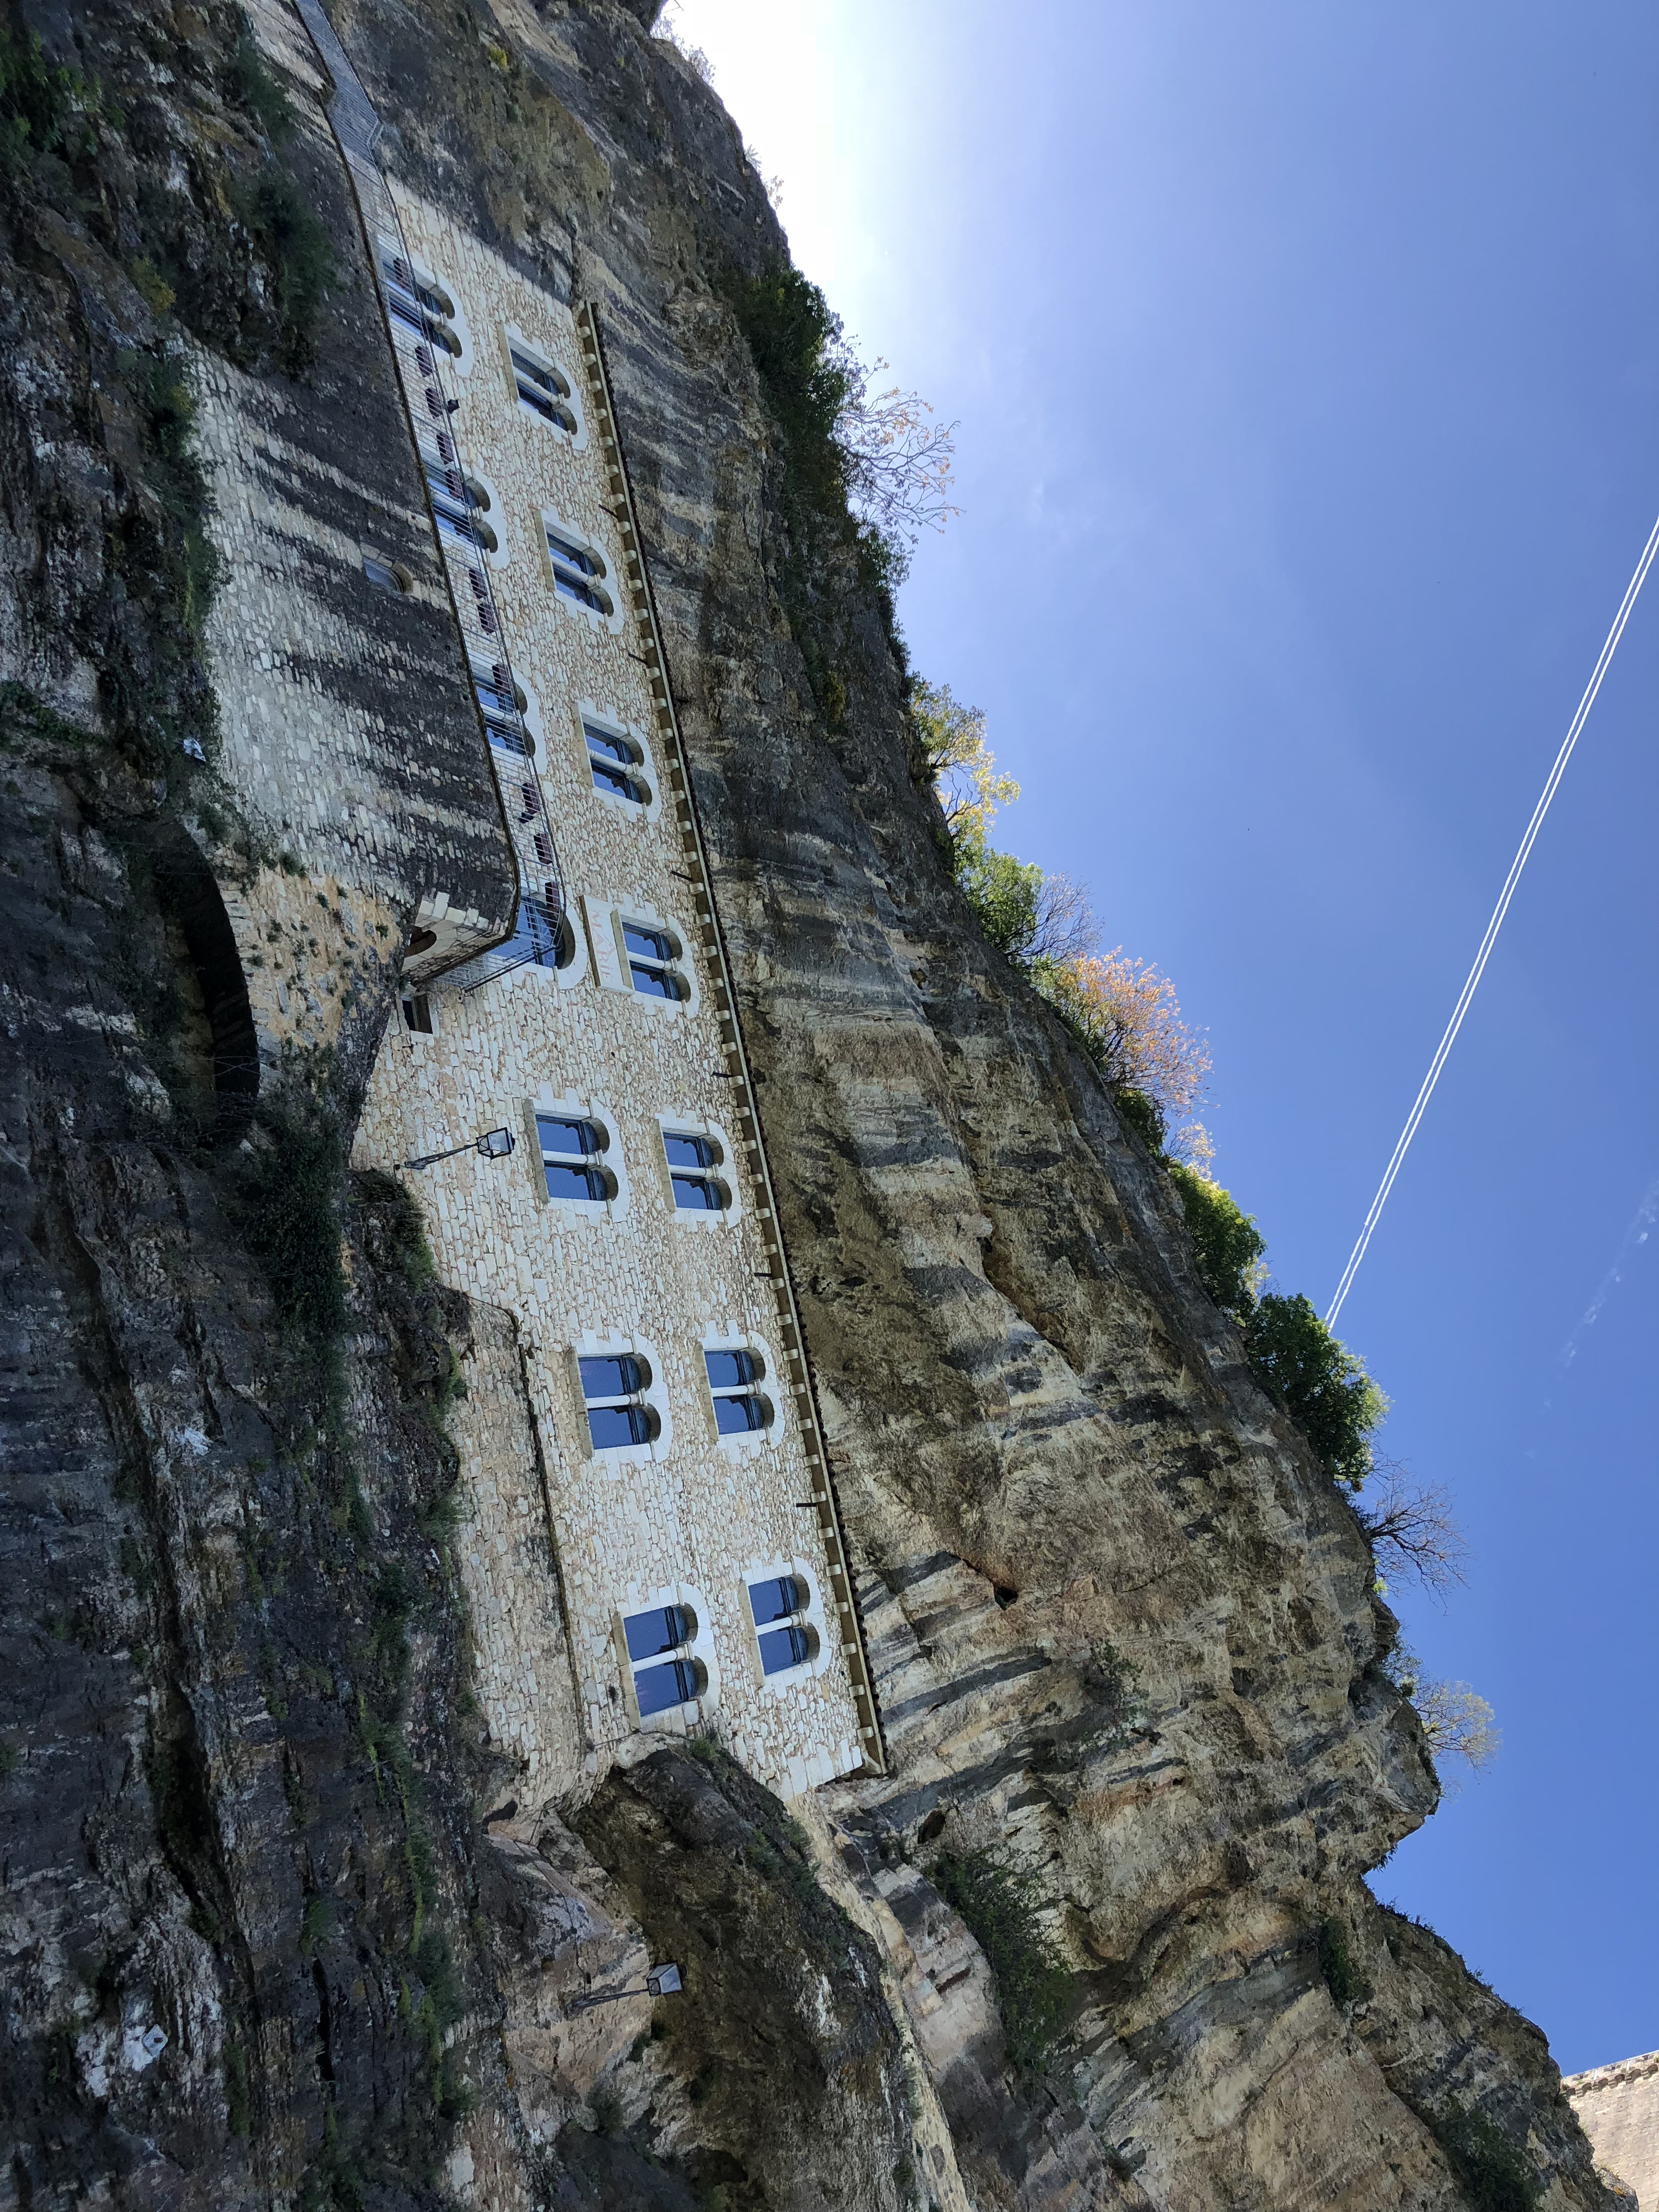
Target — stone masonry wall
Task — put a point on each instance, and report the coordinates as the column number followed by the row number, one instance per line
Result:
column 350, row 738
column 694, row 1514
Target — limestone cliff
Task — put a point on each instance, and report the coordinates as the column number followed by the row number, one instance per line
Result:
column 246, row 1795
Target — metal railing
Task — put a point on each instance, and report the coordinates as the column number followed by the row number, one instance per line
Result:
column 420, row 336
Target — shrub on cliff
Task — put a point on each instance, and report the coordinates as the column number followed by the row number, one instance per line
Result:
column 1000, row 1905
column 291, row 1193
column 1343, row 1977
column 1319, row 1383
column 295, row 249
column 1491, row 2173
column 865, row 472
column 1226, row 1243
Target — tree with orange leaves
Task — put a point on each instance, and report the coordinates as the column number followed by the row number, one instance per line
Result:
column 1126, row 1017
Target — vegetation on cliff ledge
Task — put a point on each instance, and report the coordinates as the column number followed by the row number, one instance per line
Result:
column 1000, row 1905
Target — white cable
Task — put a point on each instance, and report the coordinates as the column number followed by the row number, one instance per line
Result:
column 1493, row 926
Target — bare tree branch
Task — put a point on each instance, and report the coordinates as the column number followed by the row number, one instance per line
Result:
column 1065, row 928
column 1461, row 1726
column 899, row 460
column 1411, row 1528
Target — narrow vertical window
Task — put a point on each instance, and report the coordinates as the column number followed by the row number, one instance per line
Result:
column 664, row 1672
column 544, row 390
column 502, row 706
column 544, row 938
column 613, row 1391
column 613, row 760
column 419, row 304
column 572, row 1158
column 576, row 569
column 740, row 1409
column 785, row 1638
column 458, row 504
column 653, row 958
column 691, row 1160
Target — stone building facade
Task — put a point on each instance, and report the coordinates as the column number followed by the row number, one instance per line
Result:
column 628, row 1233
column 1617, row 2108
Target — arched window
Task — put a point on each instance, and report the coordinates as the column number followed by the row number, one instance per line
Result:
column 614, row 761
column 542, row 388
column 502, row 705
column 386, row 575
column 572, row 1156
column 740, row 1409
column 576, row 569
column 653, row 959
column 544, row 938
column 664, row 1674
column 689, row 1159
column 458, row 502
column 786, row 1638
column 613, row 1390
column 419, row 303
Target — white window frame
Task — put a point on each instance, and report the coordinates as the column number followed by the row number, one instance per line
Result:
column 572, row 973
column 611, row 958
column 771, row 1386
column 591, row 1345
column 631, row 733
column 456, row 319
column 569, row 395
column 571, row 1106
column 724, row 1171
column 812, row 1615
column 674, row 1720
column 603, row 582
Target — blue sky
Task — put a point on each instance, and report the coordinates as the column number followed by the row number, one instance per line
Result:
column 1305, row 359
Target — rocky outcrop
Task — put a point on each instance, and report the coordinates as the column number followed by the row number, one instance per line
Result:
column 271, row 1933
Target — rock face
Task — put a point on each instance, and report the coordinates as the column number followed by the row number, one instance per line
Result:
column 1122, row 1625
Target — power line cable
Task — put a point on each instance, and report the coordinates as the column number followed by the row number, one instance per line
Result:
column 1493, row 926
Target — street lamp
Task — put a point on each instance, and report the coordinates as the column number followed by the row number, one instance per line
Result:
column 494, row 1145
column 660, row 1982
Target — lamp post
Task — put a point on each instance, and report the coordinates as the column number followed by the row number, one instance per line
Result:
column 660, row 1982
column 494, row 1145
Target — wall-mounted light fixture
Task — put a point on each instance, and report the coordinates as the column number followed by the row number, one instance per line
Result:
column 660, row 1982
column 494, row 1145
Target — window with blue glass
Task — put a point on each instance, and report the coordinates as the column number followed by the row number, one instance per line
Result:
column 692, row 1162
column 614, row 761
column 613, row 1391
column 572, row 1158
column 542, row 939
column 778, row 1607
column 502, row 706
column 542, row 390
column 457, row 506
column 740, row 1409
column 664, row 1672
column 419, row 304
column 653, row 958
column 575, row 570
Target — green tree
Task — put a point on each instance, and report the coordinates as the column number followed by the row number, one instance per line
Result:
column 1319, row 1383
column 1226, row 1243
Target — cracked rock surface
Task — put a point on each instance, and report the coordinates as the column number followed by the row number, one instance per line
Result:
column 246, row 1794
